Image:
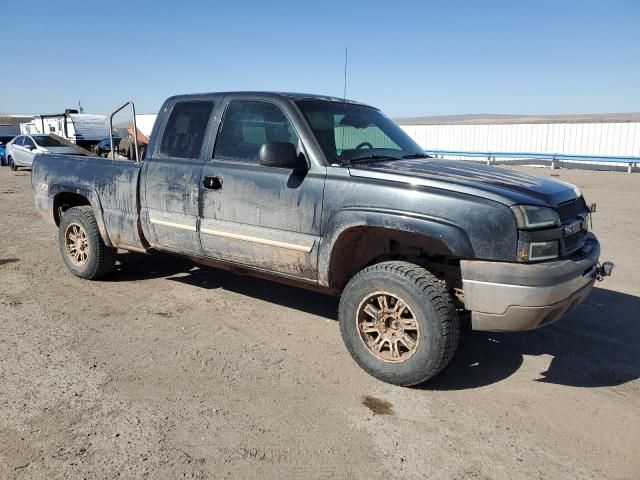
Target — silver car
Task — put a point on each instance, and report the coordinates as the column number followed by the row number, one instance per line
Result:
column 21, row 150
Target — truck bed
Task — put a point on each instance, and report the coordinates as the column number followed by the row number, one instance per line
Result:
column 109, row 186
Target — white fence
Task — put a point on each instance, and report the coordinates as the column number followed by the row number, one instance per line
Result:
column 608, row 139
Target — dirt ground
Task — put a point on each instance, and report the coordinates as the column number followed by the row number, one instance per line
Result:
column 169, row 370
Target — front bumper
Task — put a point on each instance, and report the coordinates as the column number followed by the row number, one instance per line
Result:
column 512, row 297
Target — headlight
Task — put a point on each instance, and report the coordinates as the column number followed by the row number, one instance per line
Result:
column 537, row 251
column 530, row 217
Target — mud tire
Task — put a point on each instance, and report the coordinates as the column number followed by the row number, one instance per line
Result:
column 432, row 307
column 100, row 259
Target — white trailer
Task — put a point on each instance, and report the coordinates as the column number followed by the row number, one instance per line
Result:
column 145, row 122
column 82, row 129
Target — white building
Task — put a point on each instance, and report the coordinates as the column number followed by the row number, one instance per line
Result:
column 597, row 135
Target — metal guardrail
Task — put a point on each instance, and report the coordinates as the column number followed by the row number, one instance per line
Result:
column 553, row 158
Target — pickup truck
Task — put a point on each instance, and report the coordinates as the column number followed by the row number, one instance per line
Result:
column 331, row 194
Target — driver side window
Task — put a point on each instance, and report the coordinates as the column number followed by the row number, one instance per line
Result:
column 28, row 142
column 247, row 125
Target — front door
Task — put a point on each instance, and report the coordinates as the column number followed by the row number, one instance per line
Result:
column 27, row 152
column 265, row 217
column 17, row 151
column 171, row 175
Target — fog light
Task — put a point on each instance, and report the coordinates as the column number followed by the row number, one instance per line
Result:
column 604, row 270
column 607, row 268
column 536, row 251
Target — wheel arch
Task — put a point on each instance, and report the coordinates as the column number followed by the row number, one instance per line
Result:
column 65, row 197
column 361, row 238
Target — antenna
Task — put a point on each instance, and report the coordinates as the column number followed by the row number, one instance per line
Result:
column 346, row 63
column 344, row 96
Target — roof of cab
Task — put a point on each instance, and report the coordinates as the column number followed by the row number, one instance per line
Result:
column 285, row 95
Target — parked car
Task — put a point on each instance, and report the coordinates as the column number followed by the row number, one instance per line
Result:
column 21, row 150
column 333, row 195
column 4, row 139
column 104, row 147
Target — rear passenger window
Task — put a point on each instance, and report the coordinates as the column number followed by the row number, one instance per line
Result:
column 249, row 124
column 185, row 129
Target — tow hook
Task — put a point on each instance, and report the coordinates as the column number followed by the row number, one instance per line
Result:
column 603, row 270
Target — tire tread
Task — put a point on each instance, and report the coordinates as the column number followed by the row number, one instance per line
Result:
column 105, row 256
column 435, row 292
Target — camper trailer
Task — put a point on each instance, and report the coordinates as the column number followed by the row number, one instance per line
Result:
column 82, row 129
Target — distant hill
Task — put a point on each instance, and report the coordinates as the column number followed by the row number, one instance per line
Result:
column 497, row 119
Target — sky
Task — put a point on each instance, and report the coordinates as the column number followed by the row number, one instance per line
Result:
column 409, row 58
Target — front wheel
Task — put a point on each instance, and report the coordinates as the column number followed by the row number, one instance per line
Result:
column 83, row 251
column 399, row 322
column 14, row 167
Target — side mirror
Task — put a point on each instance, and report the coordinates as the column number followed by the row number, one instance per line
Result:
column 281, row 155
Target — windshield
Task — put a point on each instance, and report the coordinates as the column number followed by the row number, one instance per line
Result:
column 348, row 132
column 47, row 141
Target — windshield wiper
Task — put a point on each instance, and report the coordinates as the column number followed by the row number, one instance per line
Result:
column 416, row 155
column 371, row 158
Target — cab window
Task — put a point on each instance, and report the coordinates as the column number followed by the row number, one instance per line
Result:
column 185, row 129
column 247, row 125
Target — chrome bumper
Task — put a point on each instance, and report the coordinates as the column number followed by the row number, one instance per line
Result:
column 514, row 297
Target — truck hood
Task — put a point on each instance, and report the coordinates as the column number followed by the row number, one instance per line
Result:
column 500, row 184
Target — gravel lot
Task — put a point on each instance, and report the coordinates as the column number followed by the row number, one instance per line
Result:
column 169, row 370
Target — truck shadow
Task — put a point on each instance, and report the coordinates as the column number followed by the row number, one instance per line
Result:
column 135, row 266
column 597, row 345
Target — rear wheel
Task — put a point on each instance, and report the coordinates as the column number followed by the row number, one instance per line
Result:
column 399, row 322
column 83, row 251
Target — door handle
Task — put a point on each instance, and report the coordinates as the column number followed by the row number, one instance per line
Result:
column 212, row 183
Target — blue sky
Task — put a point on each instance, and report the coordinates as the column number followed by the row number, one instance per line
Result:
column 409, row 58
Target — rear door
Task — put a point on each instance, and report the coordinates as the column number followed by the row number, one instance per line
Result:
column 22, row 155
column 171, row 176
column 254, row 215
